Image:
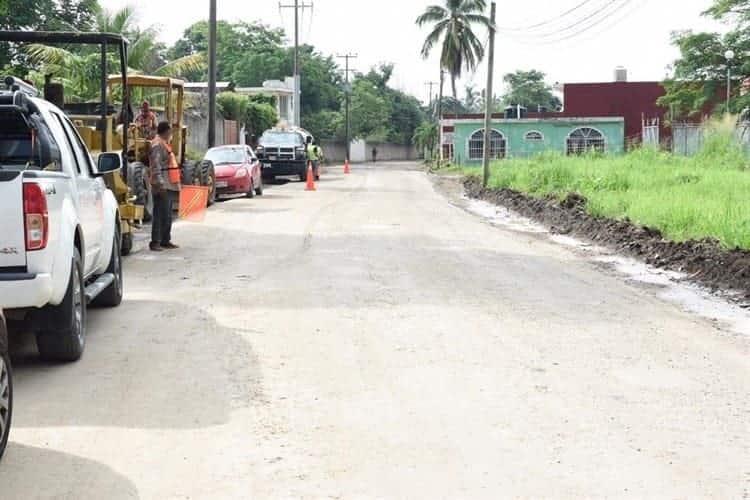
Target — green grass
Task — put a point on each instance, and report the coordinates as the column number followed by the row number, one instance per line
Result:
column 686, row 198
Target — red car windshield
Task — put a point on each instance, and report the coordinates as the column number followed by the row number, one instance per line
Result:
column 225, row 156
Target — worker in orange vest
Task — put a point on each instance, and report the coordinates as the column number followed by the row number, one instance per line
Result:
column 165, row 185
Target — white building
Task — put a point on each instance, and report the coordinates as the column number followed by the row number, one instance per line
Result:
column 282, row 90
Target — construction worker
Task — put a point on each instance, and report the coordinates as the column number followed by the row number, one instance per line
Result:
column 315, row 155
column 165, row 186
column 146, row 121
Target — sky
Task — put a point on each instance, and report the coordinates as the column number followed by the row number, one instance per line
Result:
column 632, row 33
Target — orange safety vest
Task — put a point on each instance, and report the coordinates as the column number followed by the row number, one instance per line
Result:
column 173, row 170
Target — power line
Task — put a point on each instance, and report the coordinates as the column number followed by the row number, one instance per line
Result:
column 577, row 23
column 620, row 19
column 548, row 21
column 589, row 27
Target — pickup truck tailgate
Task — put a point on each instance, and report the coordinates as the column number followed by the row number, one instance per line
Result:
column 12, row 230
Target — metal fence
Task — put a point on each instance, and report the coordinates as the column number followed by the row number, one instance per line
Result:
column 687, row 138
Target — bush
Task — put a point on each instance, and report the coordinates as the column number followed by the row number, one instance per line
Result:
column 256, row 115
column 259, row 117
column 232, row 106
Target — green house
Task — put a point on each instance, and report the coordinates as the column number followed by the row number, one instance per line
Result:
column 514, row 138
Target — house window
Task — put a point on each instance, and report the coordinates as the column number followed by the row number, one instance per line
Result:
column 584, row 140
column 497, row 145
column 534, row 136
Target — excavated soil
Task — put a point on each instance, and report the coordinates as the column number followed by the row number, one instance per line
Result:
column 704, row 261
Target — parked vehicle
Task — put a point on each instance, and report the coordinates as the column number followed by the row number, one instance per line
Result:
column 95, row 121
column 283, row 152
column 167, row 99
column 61, row 233
column 6, row 387
column 238, row 171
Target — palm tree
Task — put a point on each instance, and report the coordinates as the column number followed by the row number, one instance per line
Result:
column 79, row 69
column 425, row 138
column 453, row 28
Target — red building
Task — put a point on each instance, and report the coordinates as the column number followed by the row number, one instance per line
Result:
column 632, row 101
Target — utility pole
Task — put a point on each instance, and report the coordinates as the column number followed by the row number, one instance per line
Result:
column 431, row 85
column 348, row 92
column 490, row 96
column 212, row 74
column 440, row 115
column 297, row 6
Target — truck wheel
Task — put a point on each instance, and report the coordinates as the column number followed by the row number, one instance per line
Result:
column 112, row 295
column 190, row 174
column 208, row 179
column 66, row 338
column 6, row 400
column 139, row 185
column 259, row 189
column 126, row 244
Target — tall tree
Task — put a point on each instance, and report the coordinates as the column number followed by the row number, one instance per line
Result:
column 528, row 89
column 79, row 67
column 244, row 51
column 55, row 15
column 453, row 28
column 740, row 9
column 699, row 77
column 75, row 15
column 472, row 99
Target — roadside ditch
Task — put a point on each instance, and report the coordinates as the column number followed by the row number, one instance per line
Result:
column 705, row 262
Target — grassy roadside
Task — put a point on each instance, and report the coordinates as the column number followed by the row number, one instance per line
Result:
column 706, row 196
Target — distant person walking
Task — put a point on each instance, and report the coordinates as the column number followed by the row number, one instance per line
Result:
column 165, row 186
column 374, row 154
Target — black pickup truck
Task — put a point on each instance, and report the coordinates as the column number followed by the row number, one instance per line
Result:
column 283, row 153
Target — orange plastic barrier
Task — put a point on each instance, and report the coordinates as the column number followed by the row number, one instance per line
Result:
column 193, row 203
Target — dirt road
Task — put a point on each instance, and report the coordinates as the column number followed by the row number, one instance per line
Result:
column 371, row 340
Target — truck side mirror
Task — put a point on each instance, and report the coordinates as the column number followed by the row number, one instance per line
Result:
column 108, row 163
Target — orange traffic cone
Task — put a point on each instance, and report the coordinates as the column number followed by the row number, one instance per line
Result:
column 310, row 178
column 347, row 169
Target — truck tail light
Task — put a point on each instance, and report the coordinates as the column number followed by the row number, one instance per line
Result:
column 36, row 217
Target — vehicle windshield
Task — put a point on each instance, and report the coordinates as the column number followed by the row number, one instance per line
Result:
column 281, row 139
column 224, row 156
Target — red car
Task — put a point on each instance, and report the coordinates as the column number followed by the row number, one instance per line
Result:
column 238, row 171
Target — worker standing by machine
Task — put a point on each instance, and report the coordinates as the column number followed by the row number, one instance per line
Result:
column 165, row 184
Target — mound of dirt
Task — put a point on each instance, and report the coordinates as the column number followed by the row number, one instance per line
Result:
column 704, row 261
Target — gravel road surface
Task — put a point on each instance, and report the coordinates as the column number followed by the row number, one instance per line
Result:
column 374, row 340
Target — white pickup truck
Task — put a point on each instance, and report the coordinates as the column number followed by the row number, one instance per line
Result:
column 59, row 224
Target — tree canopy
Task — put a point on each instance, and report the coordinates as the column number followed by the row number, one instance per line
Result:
column 248, row 53
column 529, row 89
column 699, row 76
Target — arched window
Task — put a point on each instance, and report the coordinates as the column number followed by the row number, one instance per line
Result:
column 584, row 140
column 497, row 145
column 534, row 136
